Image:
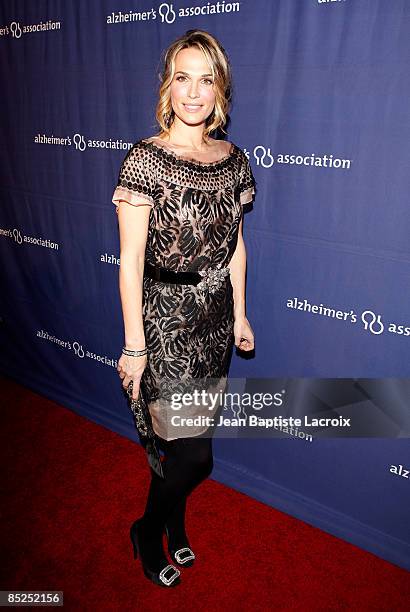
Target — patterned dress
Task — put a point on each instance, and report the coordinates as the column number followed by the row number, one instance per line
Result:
column 195, row 212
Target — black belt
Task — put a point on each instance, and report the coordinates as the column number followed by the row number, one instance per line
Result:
column 208, row 280
column 170, row 276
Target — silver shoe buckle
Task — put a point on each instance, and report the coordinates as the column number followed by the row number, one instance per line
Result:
column 171, row 579
column 212, row 278
column 179, row 552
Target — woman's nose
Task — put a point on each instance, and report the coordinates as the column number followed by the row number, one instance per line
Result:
column 193, row 90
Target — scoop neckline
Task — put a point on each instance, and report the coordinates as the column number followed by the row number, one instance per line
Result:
column 190, row 160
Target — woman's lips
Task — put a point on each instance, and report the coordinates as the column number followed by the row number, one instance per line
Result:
column 191, row 108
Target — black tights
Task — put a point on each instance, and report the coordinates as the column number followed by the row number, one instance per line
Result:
column 188, row 461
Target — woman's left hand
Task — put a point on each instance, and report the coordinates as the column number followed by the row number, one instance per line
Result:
column 244, row 338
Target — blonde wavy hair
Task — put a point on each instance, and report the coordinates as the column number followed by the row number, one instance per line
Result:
column 218, row 61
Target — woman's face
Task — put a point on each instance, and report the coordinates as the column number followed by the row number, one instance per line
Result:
column 192, row 88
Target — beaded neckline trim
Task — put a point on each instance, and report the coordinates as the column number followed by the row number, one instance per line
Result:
column 189, row 160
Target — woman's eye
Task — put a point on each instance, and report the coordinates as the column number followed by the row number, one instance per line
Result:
column 208, row 81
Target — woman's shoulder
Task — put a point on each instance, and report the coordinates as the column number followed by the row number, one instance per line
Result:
column 238, row 149
column 139, row 152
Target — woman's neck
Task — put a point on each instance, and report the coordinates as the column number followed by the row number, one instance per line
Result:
column 179, row 139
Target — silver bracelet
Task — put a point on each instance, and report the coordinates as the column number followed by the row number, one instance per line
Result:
column 131, row 353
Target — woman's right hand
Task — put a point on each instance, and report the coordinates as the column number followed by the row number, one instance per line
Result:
column 131, row 369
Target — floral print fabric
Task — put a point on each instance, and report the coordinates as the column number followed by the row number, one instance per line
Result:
column 196, row 208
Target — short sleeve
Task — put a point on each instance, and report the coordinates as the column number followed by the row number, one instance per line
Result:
column 136, row 180
column 247, row 183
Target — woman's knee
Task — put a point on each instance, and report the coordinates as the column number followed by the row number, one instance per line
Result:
column 208, row 466
column 193, row 455
column 200, row 456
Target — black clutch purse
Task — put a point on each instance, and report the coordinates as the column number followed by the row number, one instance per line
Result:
column 143, row 423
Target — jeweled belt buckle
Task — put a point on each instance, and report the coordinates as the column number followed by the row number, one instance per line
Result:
column 171, row 579
column 212, row 278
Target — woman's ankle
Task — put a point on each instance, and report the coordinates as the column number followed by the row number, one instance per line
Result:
column 151, row 546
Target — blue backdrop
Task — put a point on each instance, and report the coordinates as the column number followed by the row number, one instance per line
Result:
column 321, row 105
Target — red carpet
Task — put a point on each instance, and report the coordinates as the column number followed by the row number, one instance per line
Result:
column 72, row 488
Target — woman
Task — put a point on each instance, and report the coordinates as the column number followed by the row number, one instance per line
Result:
column 179, row 201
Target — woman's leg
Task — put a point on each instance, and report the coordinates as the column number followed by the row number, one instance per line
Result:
column 177, row 537
column 188, row 461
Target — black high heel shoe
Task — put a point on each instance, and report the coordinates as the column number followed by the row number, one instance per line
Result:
column 184, row 557
column 168, row 576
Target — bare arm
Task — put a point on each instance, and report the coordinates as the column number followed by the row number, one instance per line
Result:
column 237, row 268
column 133, row 228
column 244, row 337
